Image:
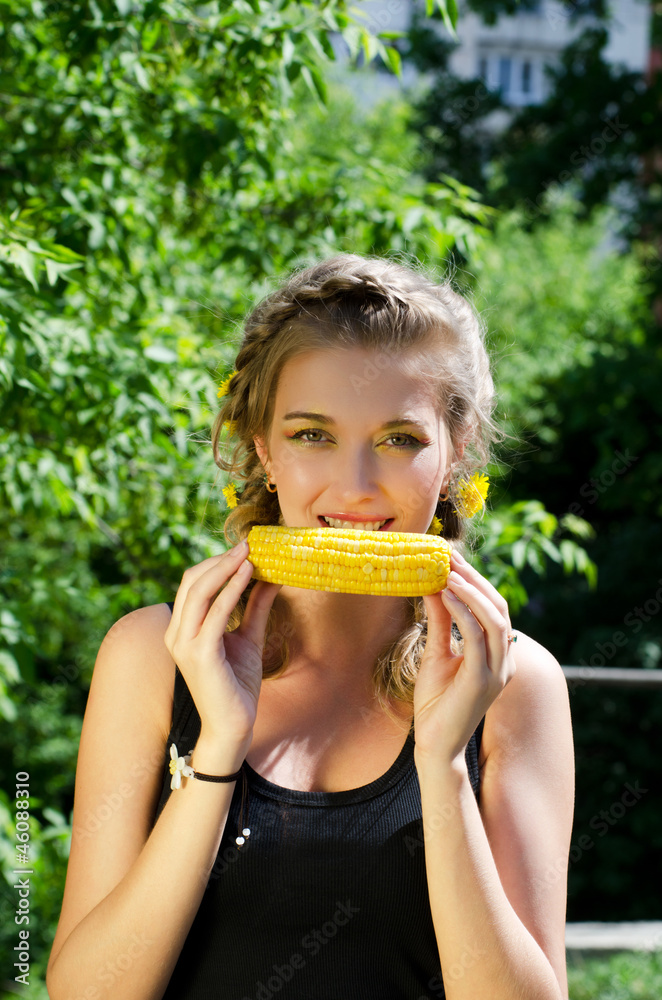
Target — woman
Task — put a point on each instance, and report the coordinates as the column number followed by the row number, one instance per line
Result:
column 394, row 815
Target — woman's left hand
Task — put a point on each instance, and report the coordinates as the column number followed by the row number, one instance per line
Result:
column 452, row 693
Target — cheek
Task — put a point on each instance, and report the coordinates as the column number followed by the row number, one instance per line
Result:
column 427, row 469
column 296, row 473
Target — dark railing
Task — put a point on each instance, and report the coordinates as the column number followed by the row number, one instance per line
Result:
column 631, row 677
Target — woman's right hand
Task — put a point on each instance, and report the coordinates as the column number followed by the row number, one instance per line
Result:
column 223, row 670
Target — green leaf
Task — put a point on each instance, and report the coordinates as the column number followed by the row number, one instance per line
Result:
column 314, row 82
column 9, row 667
column 27, row 263
column 518, row 553
column 288, row 50
column 158, row 352
column 55, row 269
column 447, row 9
column 393, row 59
column 141, row 76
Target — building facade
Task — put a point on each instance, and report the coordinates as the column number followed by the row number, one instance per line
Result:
column 511, row 55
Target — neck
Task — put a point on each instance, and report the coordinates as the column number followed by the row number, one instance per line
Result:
column 343, row 633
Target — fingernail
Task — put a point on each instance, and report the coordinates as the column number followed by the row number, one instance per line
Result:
column 457, row 555
column 453, row 597
column 455, row 578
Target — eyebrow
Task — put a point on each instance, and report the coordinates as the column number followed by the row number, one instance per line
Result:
column 321, row 418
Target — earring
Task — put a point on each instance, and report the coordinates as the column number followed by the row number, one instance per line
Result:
column 269, row 485
column 443, row 497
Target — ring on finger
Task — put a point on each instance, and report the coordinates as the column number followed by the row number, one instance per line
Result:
column 512, row 637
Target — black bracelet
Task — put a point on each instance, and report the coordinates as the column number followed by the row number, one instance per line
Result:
column 180, row 767
column 216, row 777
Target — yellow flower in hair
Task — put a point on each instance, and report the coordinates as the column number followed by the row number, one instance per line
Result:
column 230, row 494
column 224, row 384
column 230, row 426
column 436, row 527
column 472, row 494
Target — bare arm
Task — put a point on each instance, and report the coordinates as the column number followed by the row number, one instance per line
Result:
column 132, row 891
column 497, row 876
column 499, row 919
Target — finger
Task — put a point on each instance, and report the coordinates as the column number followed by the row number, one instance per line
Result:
column 200, row 594
column 467, row 623
column 254, row 620
column 480, row 615
column 460, row 565
column 440, row 625
column 190, row 576
column 219, row 613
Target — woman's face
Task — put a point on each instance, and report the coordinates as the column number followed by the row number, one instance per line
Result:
column 355, row 438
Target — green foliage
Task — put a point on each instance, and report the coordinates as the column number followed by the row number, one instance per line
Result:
column 625, row 976
column 568, row 298
column 594, row 127
column 525, row 534
column 593, row 131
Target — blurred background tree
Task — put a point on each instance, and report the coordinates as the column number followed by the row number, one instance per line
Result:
column 570, row 284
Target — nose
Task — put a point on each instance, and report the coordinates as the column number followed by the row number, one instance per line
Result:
column 356, row 476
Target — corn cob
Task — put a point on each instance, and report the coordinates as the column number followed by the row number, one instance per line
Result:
column 347, row 561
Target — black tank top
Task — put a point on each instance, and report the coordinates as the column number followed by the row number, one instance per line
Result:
column 326, row 900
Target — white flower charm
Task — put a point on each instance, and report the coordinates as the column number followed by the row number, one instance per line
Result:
column 179, row 766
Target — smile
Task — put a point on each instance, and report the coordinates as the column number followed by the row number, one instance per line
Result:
column 334, row 522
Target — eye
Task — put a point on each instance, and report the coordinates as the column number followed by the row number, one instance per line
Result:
column 409, row 439
column 298, row 436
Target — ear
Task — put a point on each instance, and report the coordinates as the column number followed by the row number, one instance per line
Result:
column 262, row 453
column 459, row 451
column 455, row 455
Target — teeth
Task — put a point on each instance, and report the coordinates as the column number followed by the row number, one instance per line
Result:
column 333, row 522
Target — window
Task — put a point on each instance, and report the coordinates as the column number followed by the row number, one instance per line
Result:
column 504, row 75
column 526, row 77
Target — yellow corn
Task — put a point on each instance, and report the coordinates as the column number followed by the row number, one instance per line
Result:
column 348, row 561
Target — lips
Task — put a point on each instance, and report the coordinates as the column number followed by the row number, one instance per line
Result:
column 376, row 524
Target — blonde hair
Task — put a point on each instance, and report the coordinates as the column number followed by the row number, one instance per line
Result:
column 370, row 303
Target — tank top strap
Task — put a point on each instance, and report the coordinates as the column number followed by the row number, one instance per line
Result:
column 184, row 730
column 471, row 755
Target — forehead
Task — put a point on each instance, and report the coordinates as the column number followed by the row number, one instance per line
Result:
column 356, row 380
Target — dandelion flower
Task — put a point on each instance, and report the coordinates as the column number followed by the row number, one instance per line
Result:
column 472, row 494
column 230, row 494
column 436, row 527
column 224, row 384
column 179, row 766
column 230, row 426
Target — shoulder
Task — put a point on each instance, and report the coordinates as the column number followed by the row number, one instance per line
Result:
column 134, row 661
column 532, row 708
column 142, row 623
